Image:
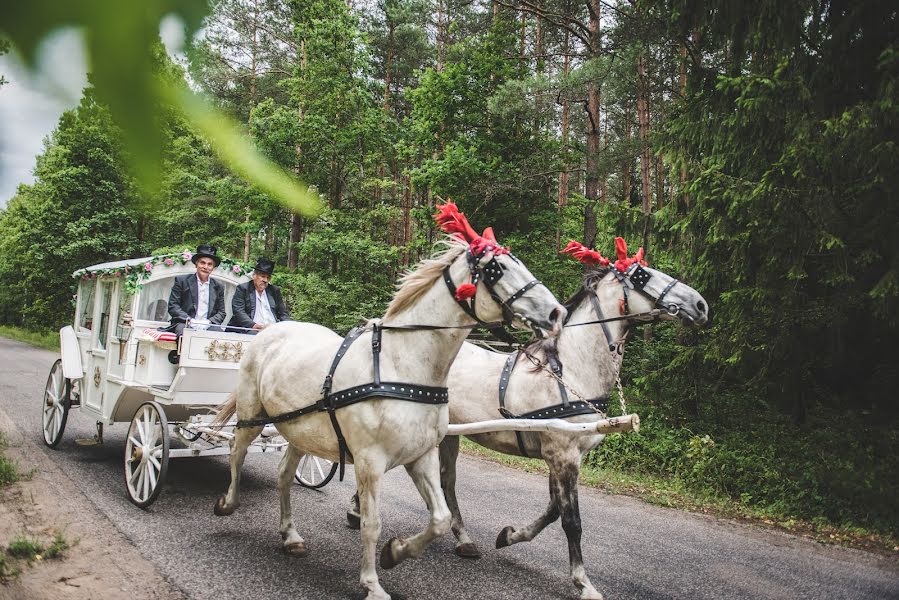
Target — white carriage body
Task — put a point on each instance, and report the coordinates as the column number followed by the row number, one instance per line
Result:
column 120, row 365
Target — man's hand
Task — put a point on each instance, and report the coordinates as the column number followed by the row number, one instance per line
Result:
column 258, row 326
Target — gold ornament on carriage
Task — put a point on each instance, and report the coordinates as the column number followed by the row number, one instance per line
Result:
column 224, row 350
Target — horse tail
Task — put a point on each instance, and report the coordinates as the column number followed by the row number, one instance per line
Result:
column 225, row 410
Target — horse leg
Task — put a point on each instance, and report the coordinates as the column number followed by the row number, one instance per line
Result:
column 293, row 542
column 425, row 472
column 511, row 535
column 368, row 481
column 243, row 437
column 449, row 452
column 353, row 517
column 567, row 492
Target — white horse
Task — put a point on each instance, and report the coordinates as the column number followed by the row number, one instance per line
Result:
column 591, row 358
column 287, row 363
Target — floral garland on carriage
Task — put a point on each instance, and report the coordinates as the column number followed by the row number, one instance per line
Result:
column 135, row 275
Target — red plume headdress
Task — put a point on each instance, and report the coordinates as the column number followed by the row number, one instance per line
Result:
column 591, row 257
column 584, row 254
column 623, row 262
column 452, row 221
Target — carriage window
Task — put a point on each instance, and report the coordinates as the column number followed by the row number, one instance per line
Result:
column 86, row 297
column 106, row 289
column 154, row 300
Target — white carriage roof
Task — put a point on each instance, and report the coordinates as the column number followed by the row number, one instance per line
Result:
column 139, row 262
column 116, row 264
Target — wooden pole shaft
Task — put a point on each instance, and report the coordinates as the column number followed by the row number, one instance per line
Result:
column 612, row 425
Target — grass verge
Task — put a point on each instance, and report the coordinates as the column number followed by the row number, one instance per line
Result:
column 9, row 469
column 671, row 493
column 28, row 550
column 48, row 340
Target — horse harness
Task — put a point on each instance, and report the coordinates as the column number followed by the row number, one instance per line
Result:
column 410, row 392
column 639, row 277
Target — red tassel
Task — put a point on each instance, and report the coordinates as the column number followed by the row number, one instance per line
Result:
column 585, row 255
column 621, row 248
column 465, row 291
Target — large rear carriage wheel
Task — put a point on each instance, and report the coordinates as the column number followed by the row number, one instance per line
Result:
column 315, row 472
column 55, row 406
column 146, row 454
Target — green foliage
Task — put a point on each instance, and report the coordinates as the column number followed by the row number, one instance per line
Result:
column 48, row 340
column 773, row 138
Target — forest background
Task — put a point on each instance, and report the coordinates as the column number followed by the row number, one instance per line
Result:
column 749, row 147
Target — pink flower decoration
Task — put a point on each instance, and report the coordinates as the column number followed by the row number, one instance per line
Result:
column 236, row 268
column 186, row 255
column 148, row 267
column 168, row 262
column 118, row 273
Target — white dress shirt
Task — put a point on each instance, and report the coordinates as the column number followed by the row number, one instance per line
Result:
column 202, row 299
column 263, row 314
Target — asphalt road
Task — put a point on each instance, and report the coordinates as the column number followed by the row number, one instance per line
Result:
column 631, row 549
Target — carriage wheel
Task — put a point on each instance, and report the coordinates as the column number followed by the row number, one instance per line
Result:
column 55, row 406
column 146, row 454
column 315, row 472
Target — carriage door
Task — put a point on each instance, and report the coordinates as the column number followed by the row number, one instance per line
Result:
column 96, row 368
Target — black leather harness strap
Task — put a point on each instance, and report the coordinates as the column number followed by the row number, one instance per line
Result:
column 503, row 386
column 605, row 327
column 556, row 411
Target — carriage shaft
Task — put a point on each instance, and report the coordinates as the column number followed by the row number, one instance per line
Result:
column 620, row 424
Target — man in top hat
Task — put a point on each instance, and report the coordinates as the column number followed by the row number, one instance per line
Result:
column 196, row 296
column 257, row 303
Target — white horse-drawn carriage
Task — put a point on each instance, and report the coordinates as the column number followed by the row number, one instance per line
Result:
column 116, row 366
column 379, row 402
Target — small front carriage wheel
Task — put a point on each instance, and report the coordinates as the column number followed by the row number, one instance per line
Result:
column 55, row 405
column 146, row 454
column 315, row 472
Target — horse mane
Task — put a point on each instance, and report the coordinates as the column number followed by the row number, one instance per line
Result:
column 416, row 282
column 550, row 347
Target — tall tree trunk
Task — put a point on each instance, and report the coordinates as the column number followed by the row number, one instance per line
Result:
column 591, row 177
column 645, row 153
column 441, row 35
column 566, row 117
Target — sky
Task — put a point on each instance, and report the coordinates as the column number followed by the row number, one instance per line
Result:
column 30, row 105
column 32, row 101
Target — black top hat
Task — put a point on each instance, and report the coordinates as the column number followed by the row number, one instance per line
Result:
column 264, row 265
column 207, row 250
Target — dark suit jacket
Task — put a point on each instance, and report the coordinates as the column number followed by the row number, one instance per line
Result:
column 184, row 298
column 243, row 305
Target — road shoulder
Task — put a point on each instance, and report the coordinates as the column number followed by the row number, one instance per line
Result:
column 101, row 563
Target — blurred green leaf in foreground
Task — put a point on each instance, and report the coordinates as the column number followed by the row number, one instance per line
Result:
column 119, row 36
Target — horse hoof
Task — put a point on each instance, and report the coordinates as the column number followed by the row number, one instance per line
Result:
column 468, row 550
column 502, row 540
column 221, row 509
column 388, row 558
column 295, row 548
column 353, row 521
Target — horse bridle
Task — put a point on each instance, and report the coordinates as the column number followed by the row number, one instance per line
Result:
column 638, row 278
column 490, row 274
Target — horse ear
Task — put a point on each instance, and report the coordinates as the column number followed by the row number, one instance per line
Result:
column 488, row 235
column 621, row 248
column 639, row 256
